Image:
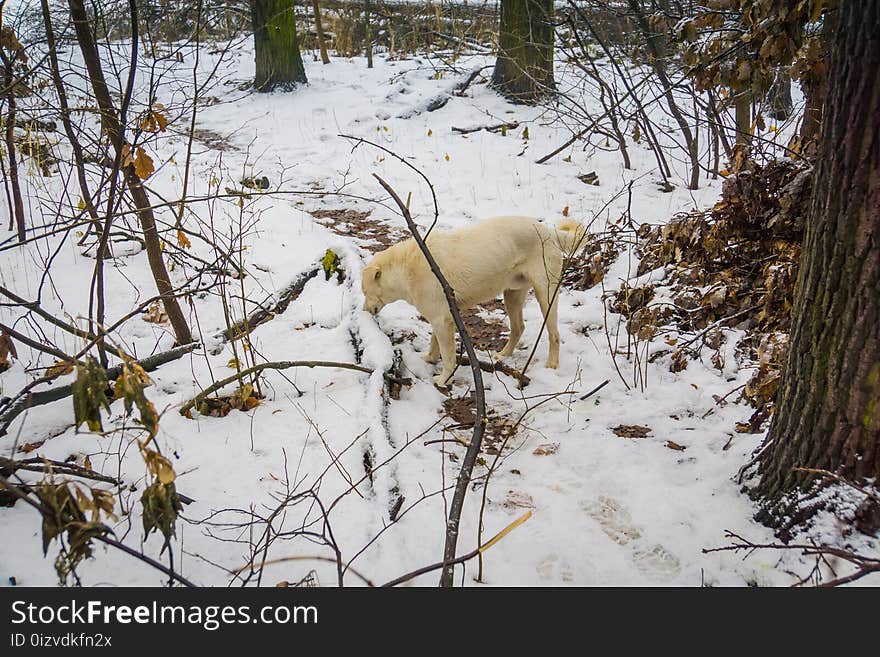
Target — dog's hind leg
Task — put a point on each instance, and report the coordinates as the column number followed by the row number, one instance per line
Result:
column 513, row 304
column 550, row 316
column 444, row 333
column 433, row 353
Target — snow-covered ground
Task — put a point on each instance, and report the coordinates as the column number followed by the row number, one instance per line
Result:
column 606, row 510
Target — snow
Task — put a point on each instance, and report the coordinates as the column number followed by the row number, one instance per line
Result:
column 606, row 510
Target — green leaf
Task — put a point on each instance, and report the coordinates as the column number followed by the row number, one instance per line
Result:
column 330, row 263
column 90, row 394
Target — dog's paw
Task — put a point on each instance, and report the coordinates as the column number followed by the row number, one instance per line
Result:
column 431, row 358
column 551, row 364
column 442, row 380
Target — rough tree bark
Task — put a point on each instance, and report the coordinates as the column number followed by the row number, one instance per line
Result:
column 524, row 68
column 828, row 407
column 276, row 49
column 368, row 35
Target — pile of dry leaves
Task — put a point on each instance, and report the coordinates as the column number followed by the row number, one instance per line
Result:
column 734, row 266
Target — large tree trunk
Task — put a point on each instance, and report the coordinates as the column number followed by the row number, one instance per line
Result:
column 524, row 68
column 828, row 412
column 276, row 50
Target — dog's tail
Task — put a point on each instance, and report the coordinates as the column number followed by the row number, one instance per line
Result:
column 570, row 235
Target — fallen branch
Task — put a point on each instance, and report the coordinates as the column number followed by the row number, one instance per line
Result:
column 498, row 366
column 37, row 346
column 35, row 307
column 22, row 402
column 488, row 128
column 595, row 390
column 865, row 565
column 39, row 464
column 461, row 87
column 280, row 365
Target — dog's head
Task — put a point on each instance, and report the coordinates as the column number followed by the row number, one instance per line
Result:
column 371, row 284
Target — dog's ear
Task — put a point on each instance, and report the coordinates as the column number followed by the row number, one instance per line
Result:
column 372, row 273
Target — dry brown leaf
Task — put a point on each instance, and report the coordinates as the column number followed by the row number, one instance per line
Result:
column 143, row 164
column 155, row 313
column 7, row 348
column 60, row 368
column 546, row 449
column 27, row 448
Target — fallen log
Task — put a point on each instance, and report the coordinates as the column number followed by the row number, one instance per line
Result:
column 244, row 326
column 22, row 402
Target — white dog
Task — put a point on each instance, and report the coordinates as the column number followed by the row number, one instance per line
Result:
column 509, row 255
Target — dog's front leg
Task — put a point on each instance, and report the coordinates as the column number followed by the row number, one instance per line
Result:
column 433, row 349
column 444, row 334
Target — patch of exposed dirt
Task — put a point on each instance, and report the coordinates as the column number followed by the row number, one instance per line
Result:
column 487, row 333
column 213, row 140
column 463, row 411
column 631, row 431
column 355, row 223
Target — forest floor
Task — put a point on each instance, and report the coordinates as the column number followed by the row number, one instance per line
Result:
column 626, row 487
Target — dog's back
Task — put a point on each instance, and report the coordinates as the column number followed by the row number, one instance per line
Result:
column 501, row 253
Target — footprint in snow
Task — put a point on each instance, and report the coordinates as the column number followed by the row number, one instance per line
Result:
column 613, row 519
column 653, row 561
column 657, row 562
column 554, row 569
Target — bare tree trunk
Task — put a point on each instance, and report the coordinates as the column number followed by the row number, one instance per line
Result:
column 524, row 68
column 368, row 35
column 779, row 96
column 657, row 63
column 815, row 88
column 828, row 407
column 64, row 110
column 17, row 210
column 116, row 132
column 742, row 106
column 276, row 49
column 319, row 29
